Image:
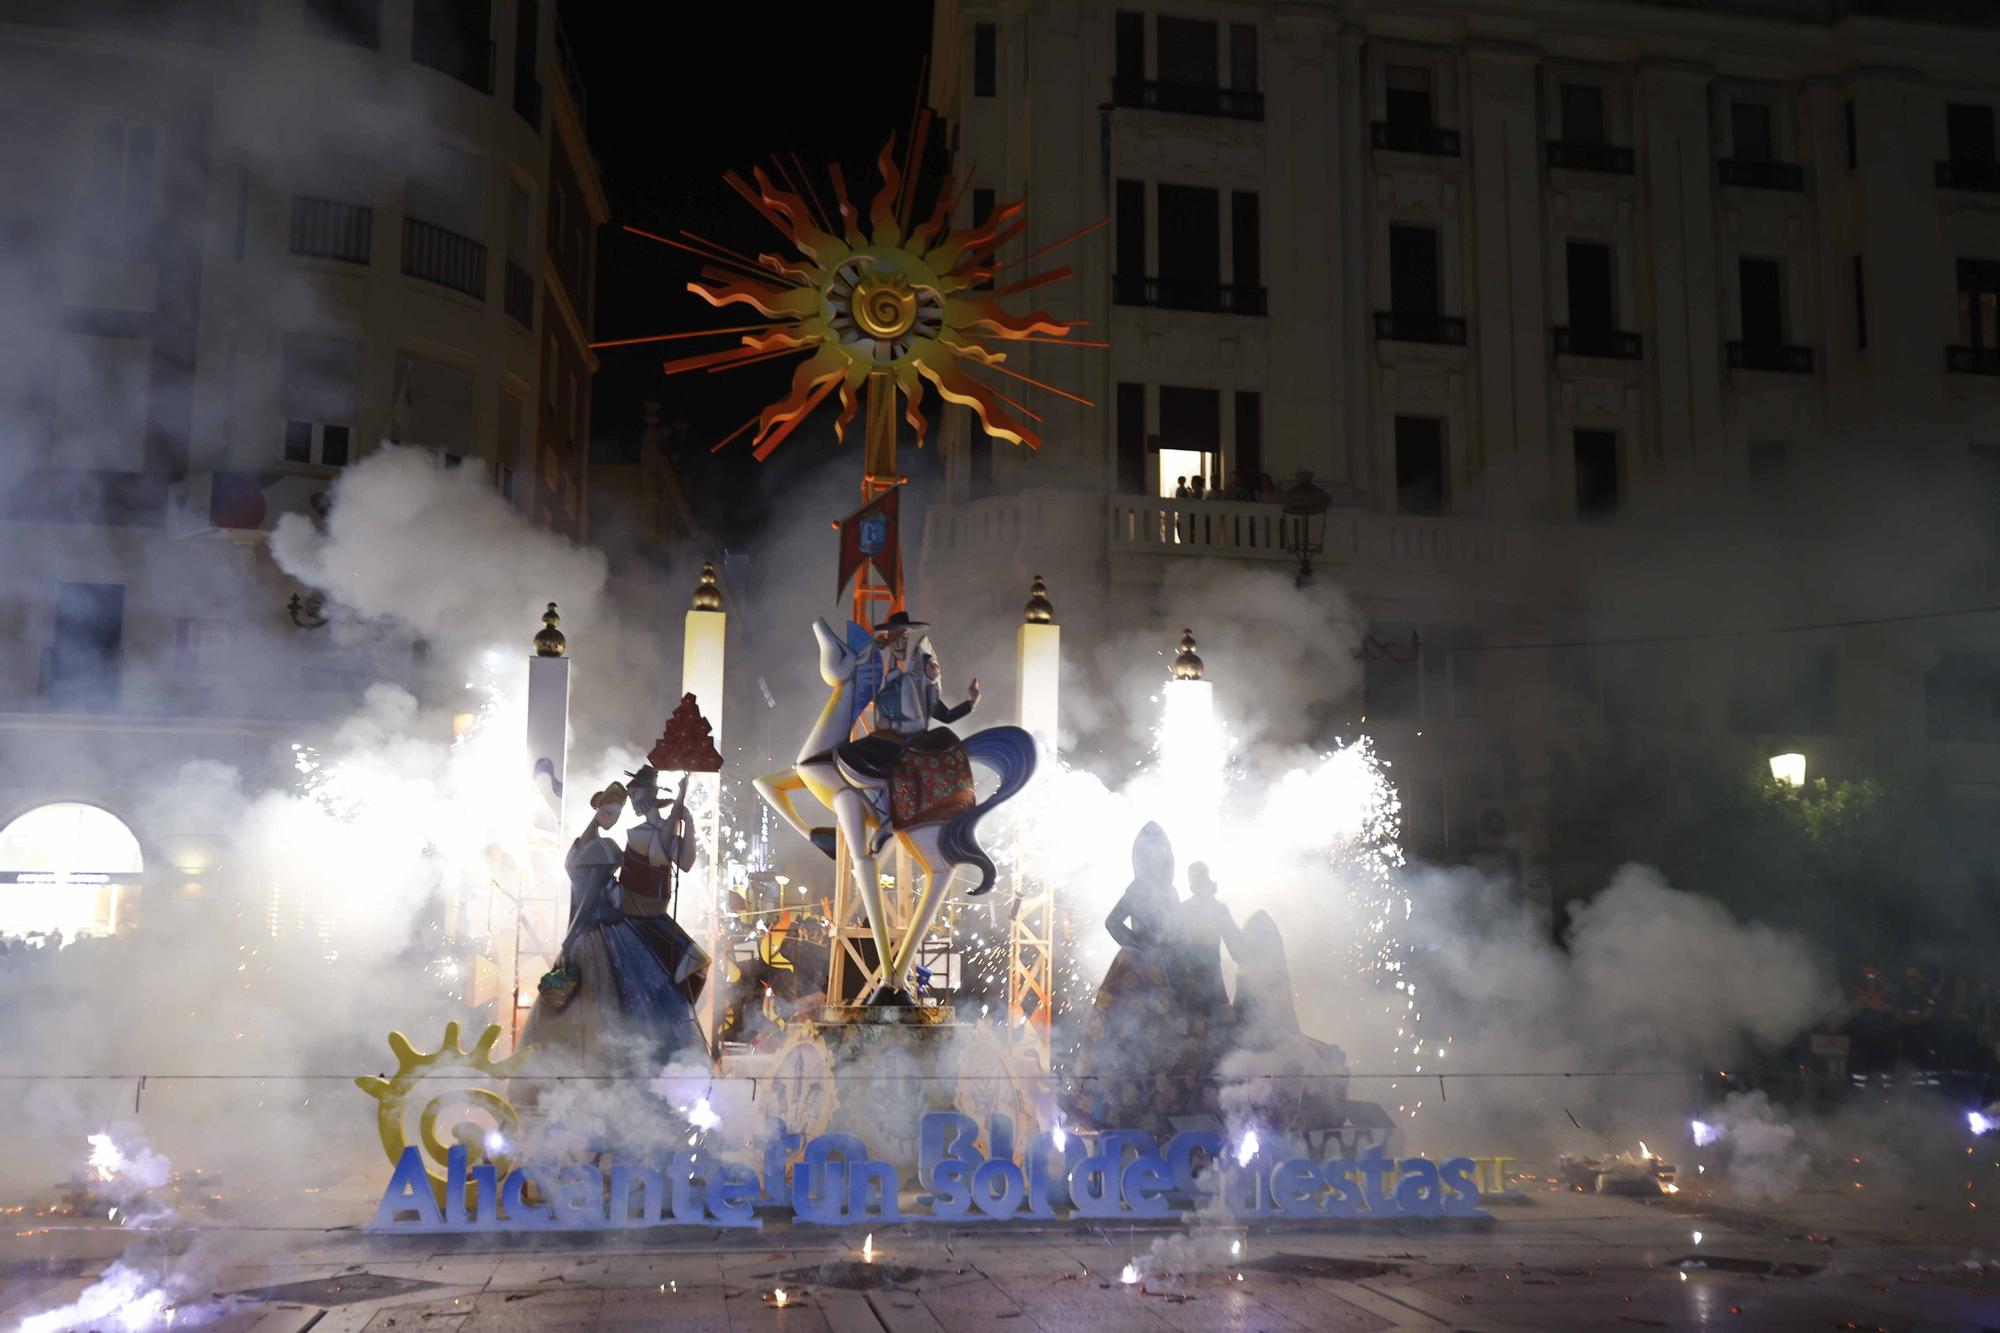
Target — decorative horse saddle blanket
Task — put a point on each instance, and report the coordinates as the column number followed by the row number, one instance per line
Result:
column 929, row 775
column 932, row 780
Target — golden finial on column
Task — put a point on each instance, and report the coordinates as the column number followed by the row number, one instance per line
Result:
column 549, row 641
column 707, row 596
column 1187, row 665
column 1040, row 610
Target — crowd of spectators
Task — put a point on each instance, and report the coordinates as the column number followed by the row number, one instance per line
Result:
column 1922, row 1018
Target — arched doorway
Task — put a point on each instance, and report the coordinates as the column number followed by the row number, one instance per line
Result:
column 66, row 867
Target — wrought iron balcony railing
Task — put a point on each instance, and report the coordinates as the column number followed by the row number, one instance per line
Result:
column 1613, row 344
column 328, row 229
column 1609, row 158
column 1969, row 173
column 444, row 257
column 1429, row 140
column 1410, row 326
column 1972, row 360
column 1761, row 175
column 519, row 294
column 1188, row 99
column 1215, row 298
column 1782, row 357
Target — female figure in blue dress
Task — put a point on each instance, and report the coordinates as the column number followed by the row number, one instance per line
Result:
column 627, row 970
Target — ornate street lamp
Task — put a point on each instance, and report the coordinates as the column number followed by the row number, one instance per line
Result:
column 1305, row 507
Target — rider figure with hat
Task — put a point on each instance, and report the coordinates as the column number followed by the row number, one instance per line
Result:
column 908, row 701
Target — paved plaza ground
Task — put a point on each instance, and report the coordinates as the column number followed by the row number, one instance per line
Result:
column 1551, row 1260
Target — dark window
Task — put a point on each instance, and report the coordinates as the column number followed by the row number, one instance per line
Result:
column 1187, row 52
column 1392, row 685
column 1596, row 474
column 979, row 464
column 1788, row 688
column 357, row 21
column 983, row 201
column 83, row 663
column 1763, row 302
column 1190, row 235
column 1582, row 113
column 1979, row 304
column 1413, row 273
column 1408, row 98
column 1249, row 440
column 1969, row 132
column 1129, row 39
column 1962, row 699
column 1420, row 485
column 1590, row 287
column 1750, row 136
column 455, row 37
column 1132, row 233
column 319, row 393
column 1245, row 245
column 119, row 205
column 1767, row 463
column 985, row 59
column 1853, row 136
column 1986, row 478
column 527, row 47
column 1860, row 306
column 1132, row 439
column 1190, row 419
column 1243, row 57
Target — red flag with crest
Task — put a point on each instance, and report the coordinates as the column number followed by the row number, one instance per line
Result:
column 869, row 536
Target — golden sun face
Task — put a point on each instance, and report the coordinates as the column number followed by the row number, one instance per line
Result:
column 912, row 302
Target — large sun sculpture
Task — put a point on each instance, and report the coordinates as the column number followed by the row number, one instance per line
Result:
column 887, row 302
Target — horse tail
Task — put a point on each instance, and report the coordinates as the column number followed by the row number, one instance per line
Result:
column 1010, row 752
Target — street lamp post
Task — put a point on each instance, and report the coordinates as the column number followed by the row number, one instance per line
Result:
column 1305, row 507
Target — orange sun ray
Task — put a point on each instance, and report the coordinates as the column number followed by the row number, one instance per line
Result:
column 675, row 337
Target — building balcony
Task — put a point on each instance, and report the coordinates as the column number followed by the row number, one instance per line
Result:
column 1608, row 158
column 1187, row 99
column 1761, row 175
column 1969, row 173
column 444, row 257
column 1972, row 360
column 1204, row 527
column 328, row 229
column 1609, row 344
column 1500, row 553
column 468, row 61
column 1430, row 140
column 1214, row 298
column 1411, row 326
column 519, row 294
column 1782, row 357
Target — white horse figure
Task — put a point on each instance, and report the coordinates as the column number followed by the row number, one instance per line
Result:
column 938, row 845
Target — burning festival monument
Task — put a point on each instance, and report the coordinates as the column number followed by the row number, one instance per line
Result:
column 848, row 1035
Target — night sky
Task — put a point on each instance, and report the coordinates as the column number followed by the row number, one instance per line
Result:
column 677, row 95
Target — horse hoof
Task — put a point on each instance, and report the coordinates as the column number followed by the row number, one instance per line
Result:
column 823, row 839
column 893, row 999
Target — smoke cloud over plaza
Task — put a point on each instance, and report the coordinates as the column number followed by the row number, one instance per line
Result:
column 1326, row 665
